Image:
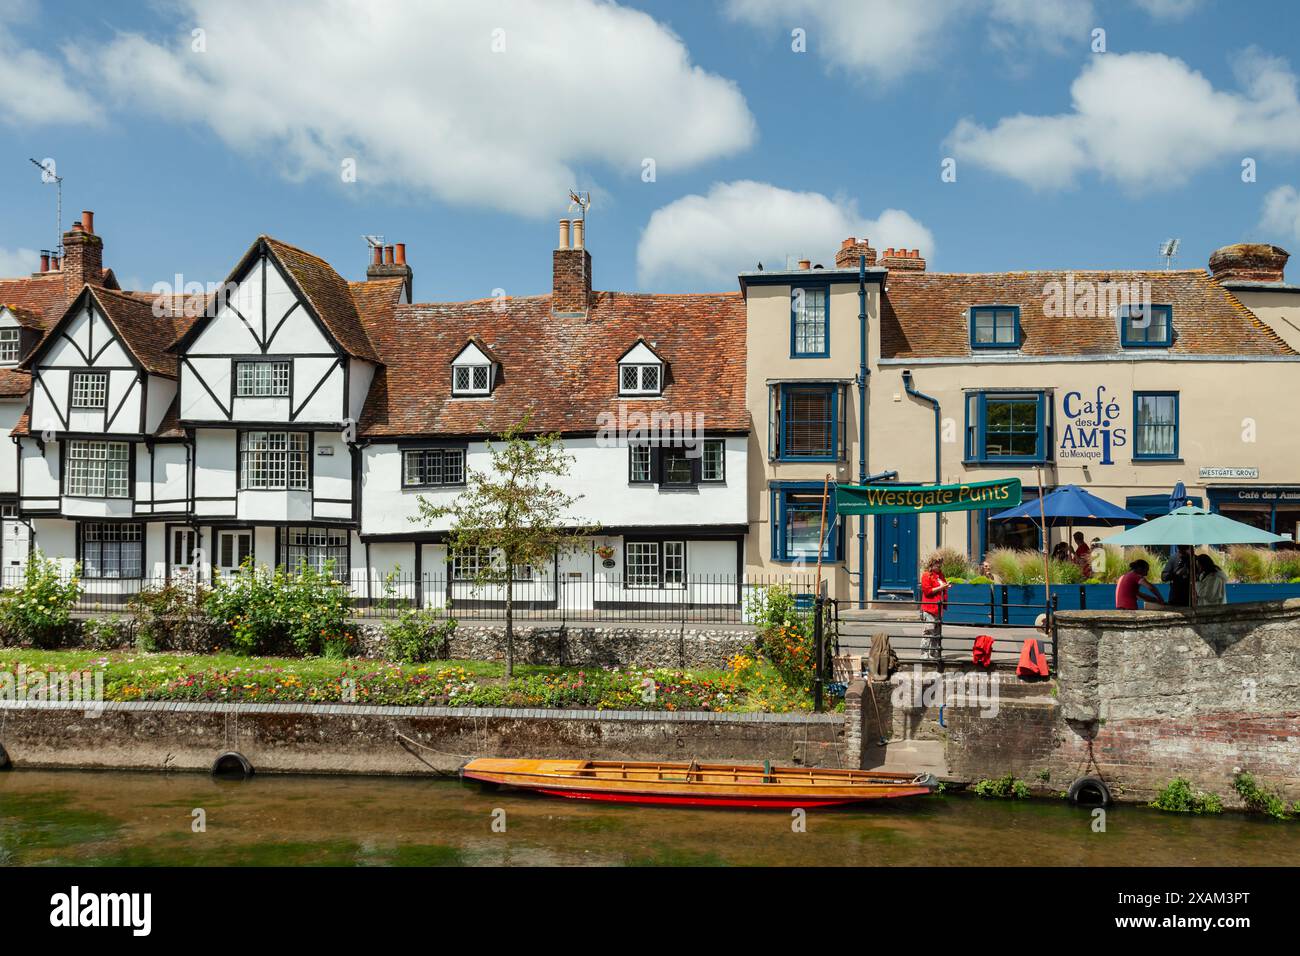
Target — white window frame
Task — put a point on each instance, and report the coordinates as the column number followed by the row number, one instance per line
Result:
column 10, row 345
column 258, row 379
column 274, row 461
column 719, row 446
column 417, row 467
column 477, row 378
column 116, row 548
column 649, row 378
column 97, row 469
column 654, row 564
column 89, row 390
column 316, row 545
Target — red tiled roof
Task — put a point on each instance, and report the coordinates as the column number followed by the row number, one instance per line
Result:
column 145, row 335
column 41, row 295
column 13, row 383
column 329, row 294
column 560, row 369
column 925, row 314
column 23, row 426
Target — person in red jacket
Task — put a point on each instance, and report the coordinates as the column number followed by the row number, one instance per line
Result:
column 934, row 598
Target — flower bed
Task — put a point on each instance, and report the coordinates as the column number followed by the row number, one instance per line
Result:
column 748, row 685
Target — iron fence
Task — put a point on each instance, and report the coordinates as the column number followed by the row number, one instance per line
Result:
column 720, row 599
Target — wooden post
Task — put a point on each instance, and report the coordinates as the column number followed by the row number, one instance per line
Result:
column 1047, row 556
column 821, row 535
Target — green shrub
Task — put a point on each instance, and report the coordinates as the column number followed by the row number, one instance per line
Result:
column 1284, row 565
column 1116, row 564
column 1179, row 797
column 1155, row 559
column 273, row 611
column 104, row 633
column 418, row 636
column 955, row 563
column 1257, row 799
column 1007, row 565
column 1066, row 572
column 39, row 611
column 784, row 635
column 163, row 614
column 1249, row 565
column 980, row 579
column 1003, row 788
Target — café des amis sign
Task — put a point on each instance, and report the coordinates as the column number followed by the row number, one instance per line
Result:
column 1090, row 427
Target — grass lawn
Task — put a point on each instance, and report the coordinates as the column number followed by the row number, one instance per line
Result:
column 748, row 685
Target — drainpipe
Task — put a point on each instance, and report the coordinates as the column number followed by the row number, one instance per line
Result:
column 910, row 387
column 862, row 424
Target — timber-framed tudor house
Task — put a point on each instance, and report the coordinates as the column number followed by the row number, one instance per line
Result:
column 297, row 416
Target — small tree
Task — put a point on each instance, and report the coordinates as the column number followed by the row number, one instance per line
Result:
column 512, row 513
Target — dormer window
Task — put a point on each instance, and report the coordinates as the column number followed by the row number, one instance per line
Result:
column 1143, row 325
column 473, row 371
column 995, row 327
column 640, row 371
column 472, row 379
column 9, row 346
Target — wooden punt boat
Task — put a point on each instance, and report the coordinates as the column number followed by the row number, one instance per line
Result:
column 697, row 784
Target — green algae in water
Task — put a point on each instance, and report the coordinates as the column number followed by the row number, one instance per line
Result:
column 48, row 821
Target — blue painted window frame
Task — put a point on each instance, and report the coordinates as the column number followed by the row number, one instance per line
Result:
column 1166, row 310
column 1137, row 426
column 783, row 422
column 832, row 544
column 825, row 289
column 977, row 428
column 977, row 310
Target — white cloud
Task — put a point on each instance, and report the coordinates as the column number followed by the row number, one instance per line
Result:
column 416, row 94
column 1169, row 9
column 709, row 239
column 1281, row 216
column 1143, row 120
column 883, row 39
column 17, row 263
column 34, row 87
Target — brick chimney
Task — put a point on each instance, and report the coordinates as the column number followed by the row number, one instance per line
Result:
column 571, row 292
column 850, row 250
column 83, row 254
column 389, row 262
column 903, row 260
column 1249, row 262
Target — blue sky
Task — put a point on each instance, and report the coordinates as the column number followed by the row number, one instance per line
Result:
column 464, row 151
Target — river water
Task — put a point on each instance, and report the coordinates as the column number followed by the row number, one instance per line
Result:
column 117, row 818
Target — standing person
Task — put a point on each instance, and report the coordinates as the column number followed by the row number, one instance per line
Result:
column 1061, row 552
column 934, row 598
column 1211, row 582
column 1178, row 574
column 1082, row 554
column 1129, row 587
column 1098, row 559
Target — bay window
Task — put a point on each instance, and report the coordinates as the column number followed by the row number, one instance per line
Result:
column 274, row 461
column 111, row 550
column 97, row 469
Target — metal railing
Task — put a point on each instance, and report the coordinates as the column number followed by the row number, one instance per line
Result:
column 721, row 599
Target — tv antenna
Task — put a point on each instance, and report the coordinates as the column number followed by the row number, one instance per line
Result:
column 581, row 200
column 48, row 175
column 1169, row 251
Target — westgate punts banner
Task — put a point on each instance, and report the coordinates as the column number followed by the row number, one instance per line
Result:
column 911, row 499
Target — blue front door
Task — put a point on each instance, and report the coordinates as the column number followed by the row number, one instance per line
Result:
column 896, row 556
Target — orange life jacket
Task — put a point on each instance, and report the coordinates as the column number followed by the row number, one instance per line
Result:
column 1033, row 662
column 982, row 651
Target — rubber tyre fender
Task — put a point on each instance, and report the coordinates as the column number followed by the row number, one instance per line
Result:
column 1089, row 792
column 232, row 764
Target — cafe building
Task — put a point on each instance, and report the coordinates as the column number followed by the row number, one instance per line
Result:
column 1125, row 383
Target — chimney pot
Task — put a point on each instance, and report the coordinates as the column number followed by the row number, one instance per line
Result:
column 805, row 263
column 579, row 239
column 76, row 227
column 88, row 221
column 399, row 253
column 848, row 242
column 376, row 255
column 564, row 234
column 45, row 260
column 388, row 255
